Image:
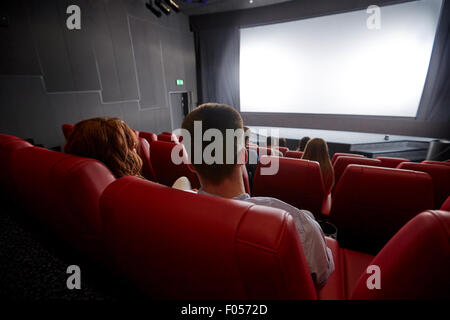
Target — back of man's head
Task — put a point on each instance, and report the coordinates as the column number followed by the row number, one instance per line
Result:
column 215, row 118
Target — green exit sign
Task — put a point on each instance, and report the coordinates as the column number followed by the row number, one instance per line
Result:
column 180, row 82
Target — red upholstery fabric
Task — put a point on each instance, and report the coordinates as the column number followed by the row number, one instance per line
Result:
column 168, row 137
column 63, row 191
column 370, row 204
column 355, row 264
column 334, row 289
column 444, row 163
column 440, row 176
column 31, row 177
column 166, row 171
column 340, row 154
column 175, row 244
column 348, row 266
column 446, row 205
column 148, row 136
column 297, row 182
column 343, row 161
column 67, row 130
column 77, row 184
column 283, row 150
column 8, row 144
column 391, row 162
column 144, row 152
column 415, row 263
column 294, row 154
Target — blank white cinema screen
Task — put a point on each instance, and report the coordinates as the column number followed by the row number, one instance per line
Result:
column 336, row 64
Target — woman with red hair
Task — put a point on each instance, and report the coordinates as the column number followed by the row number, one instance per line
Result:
column 317, row 150
column 109, row 140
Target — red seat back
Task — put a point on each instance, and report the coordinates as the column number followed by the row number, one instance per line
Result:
column 444, row 163
column 181, row 245
column 440, row 176
column 297, row 182
column 340, row 154
column 370, row 204
column 283, row 150
column 446, row 205
column 294, row 154
column 62, row 191
column 77, row 184
column 67, row 130
column 168, row 137
column 31, row 177
column 165, row 170
column 144, row 152
column 391, row 162
column 148, row 136
column 343, row 161
column 415, row 262
column 8, row 144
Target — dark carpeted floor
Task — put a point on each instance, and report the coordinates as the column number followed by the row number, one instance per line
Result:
column 33, row 265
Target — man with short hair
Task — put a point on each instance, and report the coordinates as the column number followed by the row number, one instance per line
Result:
column 224, row 179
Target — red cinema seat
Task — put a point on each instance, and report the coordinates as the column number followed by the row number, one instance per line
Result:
column 414, row 264
column 446, row 205
column 166, row 171
column 8, row 144
column 143, row 150
column 348, row 267
column 168, row 137
column 283, row 150
column 338, row 154
column 440, row 176
column 148, row 136
column 30, row 174
column 77, row 184
column 62, row 191
column 189, row 246
column 297, row 182
column 294, row 154
column 67, row 130
column 443, row 163
column 343, row 161
column 370, row 204
column 391, row 162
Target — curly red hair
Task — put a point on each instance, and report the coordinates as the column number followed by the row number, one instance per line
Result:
column 109, row 140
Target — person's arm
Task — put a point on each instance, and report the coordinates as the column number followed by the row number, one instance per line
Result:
column 318, row 255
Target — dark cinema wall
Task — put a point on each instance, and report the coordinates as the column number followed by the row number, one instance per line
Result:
column 123, row 62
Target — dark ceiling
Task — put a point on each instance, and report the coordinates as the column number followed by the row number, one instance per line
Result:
column 213, row 6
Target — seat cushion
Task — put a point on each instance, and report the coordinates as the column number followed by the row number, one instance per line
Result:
column 355, row 264
column 334, row 289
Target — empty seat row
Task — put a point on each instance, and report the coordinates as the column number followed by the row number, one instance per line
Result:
column 178, row 245
column 369, row 204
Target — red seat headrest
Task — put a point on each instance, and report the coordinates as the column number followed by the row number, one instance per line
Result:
column 370, row 204
column 297, row 182
column 67, row 130
column 415, row 262
column 294, row 154
column 440, row 176
column 342, row 162
column 340, row 154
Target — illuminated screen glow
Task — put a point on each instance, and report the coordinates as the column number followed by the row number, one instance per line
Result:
column 336, row 65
